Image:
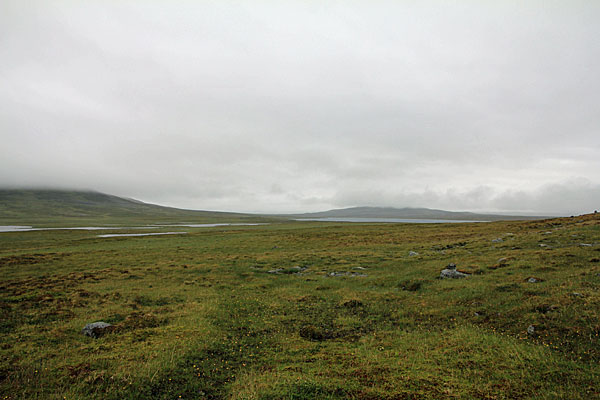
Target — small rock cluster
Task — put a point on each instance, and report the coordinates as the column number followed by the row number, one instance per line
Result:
column 534, row 280
column 351, row 274
column 96, row 329
column 451, row 272
column 293, row 270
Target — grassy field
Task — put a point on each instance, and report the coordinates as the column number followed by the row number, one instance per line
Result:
column 199, row 315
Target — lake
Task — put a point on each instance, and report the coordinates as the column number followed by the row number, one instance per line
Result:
column 21, row 228
column 140, row 234
column 387, row 220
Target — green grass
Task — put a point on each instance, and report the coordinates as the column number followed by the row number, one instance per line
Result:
column 199, row 316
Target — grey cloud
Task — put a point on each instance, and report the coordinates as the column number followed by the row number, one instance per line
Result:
column 299, row 106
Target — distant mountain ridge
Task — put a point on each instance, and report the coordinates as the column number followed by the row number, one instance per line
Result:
column 409, row 213
column 46, row 206
column 41, row 205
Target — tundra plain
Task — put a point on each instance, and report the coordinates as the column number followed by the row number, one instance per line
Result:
column 304, row 310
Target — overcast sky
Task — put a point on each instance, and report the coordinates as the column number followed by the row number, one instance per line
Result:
column 304, row 106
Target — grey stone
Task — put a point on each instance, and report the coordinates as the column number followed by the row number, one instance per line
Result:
column 95, row 329
column 533, row 280
column 275, row 271
column 576, row 294
column 452, row 273
column 412, row 253
column 498, row 240
column 531, row 330
column 585, row 244
column 351, row 274
column 451, row 266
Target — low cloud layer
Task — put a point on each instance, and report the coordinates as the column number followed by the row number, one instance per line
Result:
column 301, row 106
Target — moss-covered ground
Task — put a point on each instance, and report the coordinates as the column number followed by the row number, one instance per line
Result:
column 199, row 316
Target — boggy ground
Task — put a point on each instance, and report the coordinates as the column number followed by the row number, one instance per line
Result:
column 200, row 316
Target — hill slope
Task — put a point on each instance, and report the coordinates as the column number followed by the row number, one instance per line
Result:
column 408, row 213
column 48, row 206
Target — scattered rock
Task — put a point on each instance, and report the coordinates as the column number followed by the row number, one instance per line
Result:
column 351, row 274
column 531, row 330
column 585, row 244
column 412, row 253
column 97, row 329
column 292, row 270
column 451, row 272
column 544, row 245
column 533, row 280
column 497, row 240
column 359, row 268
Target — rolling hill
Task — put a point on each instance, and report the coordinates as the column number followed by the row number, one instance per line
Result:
column 33, row 206
column 60, row 207
column 408, row 213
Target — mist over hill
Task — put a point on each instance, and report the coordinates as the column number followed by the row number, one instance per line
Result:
column 29, row 206
column 47, row 206
column 408, row 213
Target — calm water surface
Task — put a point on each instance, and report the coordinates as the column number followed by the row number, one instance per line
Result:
column 141, row 234
column 389, row 220
column 20, row 228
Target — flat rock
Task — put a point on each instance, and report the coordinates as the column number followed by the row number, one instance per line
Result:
column 412, row 253
column 351, row 274
column 452, row 273
column 96, row 329
column 497, row 240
